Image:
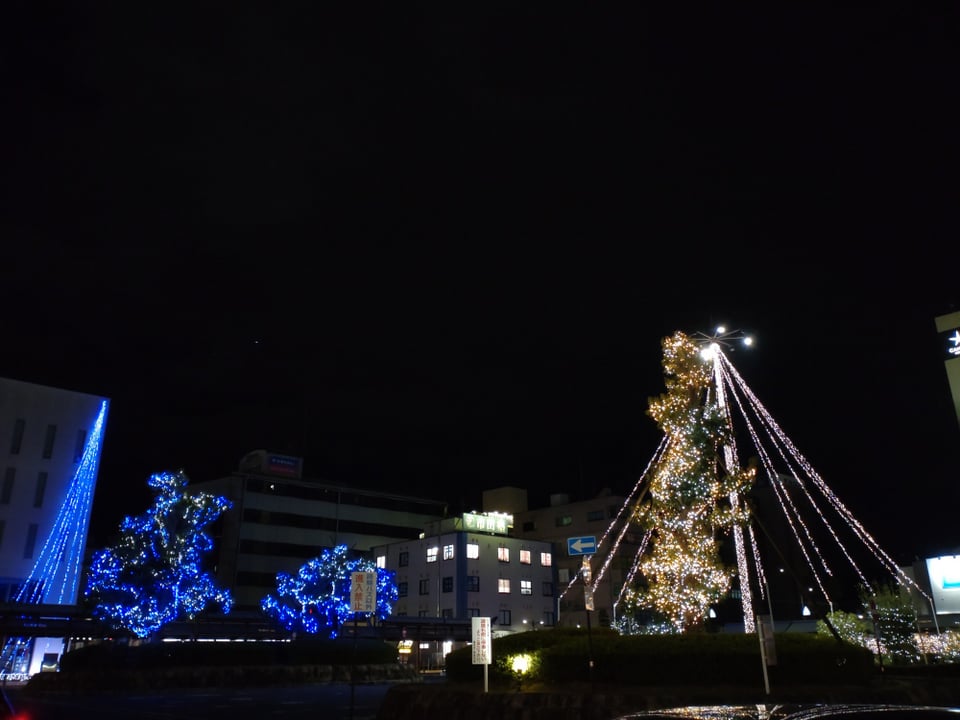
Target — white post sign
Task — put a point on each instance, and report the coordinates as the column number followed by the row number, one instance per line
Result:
column 481, row 648
column 363, row 592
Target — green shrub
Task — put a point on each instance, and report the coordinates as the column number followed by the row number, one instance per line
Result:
column 562, row 657
column 148, row 656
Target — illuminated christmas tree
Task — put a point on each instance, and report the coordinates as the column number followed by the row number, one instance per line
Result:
column 688, row 505
column 153, row 575
column 317, row 599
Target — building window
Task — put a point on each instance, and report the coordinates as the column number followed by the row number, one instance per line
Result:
column 425, row 586
column 382, row 561
column 473, row 551
column 31, row 541
column 503, row 554
column 546, row 559
column 448, row 552
column 563, row 520
column 446, row 613
column 17, row 440
column 548, row 619
column 473, row 612
column 404, row 559
column 547, row 589
column 526, row 587
column 7, row 491
column 48, row 441
column 503, row 586
column 529, row 526
column 422, row 613
column 504, row 619
column 447, row 584
column 525, row 557
column 78, row 448
column 402, row 589
column 41, row 489
column 473, row 583
column 432, row 554
column 563, row 575
column 595, row 515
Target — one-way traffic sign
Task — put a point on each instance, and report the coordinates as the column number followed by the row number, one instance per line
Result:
column 586, row 545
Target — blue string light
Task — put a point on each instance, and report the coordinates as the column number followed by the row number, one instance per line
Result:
column 154, row 574
column 317, row 599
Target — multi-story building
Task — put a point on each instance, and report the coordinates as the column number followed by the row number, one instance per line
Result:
column 469, row 566
column 561, row 523
column 280, row 520
column 51, row 444
column 948, row 327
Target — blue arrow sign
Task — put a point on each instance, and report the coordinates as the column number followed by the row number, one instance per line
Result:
column 586, row 545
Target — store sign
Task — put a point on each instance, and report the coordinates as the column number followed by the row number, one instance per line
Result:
column 497, row 523
column 953, row 343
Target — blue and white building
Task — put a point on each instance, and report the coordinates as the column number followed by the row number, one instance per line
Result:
column 50, row 445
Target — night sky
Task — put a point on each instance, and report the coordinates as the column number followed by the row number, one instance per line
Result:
column 434, row 251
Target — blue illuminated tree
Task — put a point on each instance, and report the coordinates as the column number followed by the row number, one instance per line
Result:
column 317, row 599
column 153, row 575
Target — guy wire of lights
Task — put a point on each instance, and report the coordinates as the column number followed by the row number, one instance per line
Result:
column 802, row 496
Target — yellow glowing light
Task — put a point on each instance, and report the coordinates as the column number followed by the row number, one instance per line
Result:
column 520, row 664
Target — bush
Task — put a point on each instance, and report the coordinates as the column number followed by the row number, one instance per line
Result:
column 149, row 656
column 563, row 656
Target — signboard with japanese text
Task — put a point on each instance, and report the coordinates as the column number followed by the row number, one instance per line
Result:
column 482, row 648
column 497, row 523
column 363, row 592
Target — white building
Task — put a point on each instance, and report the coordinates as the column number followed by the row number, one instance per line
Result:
column 50, row 440
column 467, row 567
column 280, row 520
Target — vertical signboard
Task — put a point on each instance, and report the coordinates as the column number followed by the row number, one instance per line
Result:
column 363, row 592
column 481, row 648
column 480, row 627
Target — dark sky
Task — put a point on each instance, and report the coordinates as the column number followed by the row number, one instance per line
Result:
column 435, row 250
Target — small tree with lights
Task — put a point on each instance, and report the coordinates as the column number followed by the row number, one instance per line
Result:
column 317, row 599
column 687, row 507
column 153, row 575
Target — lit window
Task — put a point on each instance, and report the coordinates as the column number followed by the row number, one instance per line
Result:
column 546, row 559
column 525, row 558
column 448, row 552
column 526, row 587
column 432, row 554
column 473, row 551
column 503, row 586
column 381, row 561
column 503, row 554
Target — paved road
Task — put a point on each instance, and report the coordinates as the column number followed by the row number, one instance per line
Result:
column 330, row 702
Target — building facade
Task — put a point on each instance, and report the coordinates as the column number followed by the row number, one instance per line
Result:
column 948, row 327
column 469, row 566
column 560, row 524
column 51, row 444
column 280, row 520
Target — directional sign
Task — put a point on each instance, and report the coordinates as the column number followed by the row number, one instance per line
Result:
column 586, row 545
